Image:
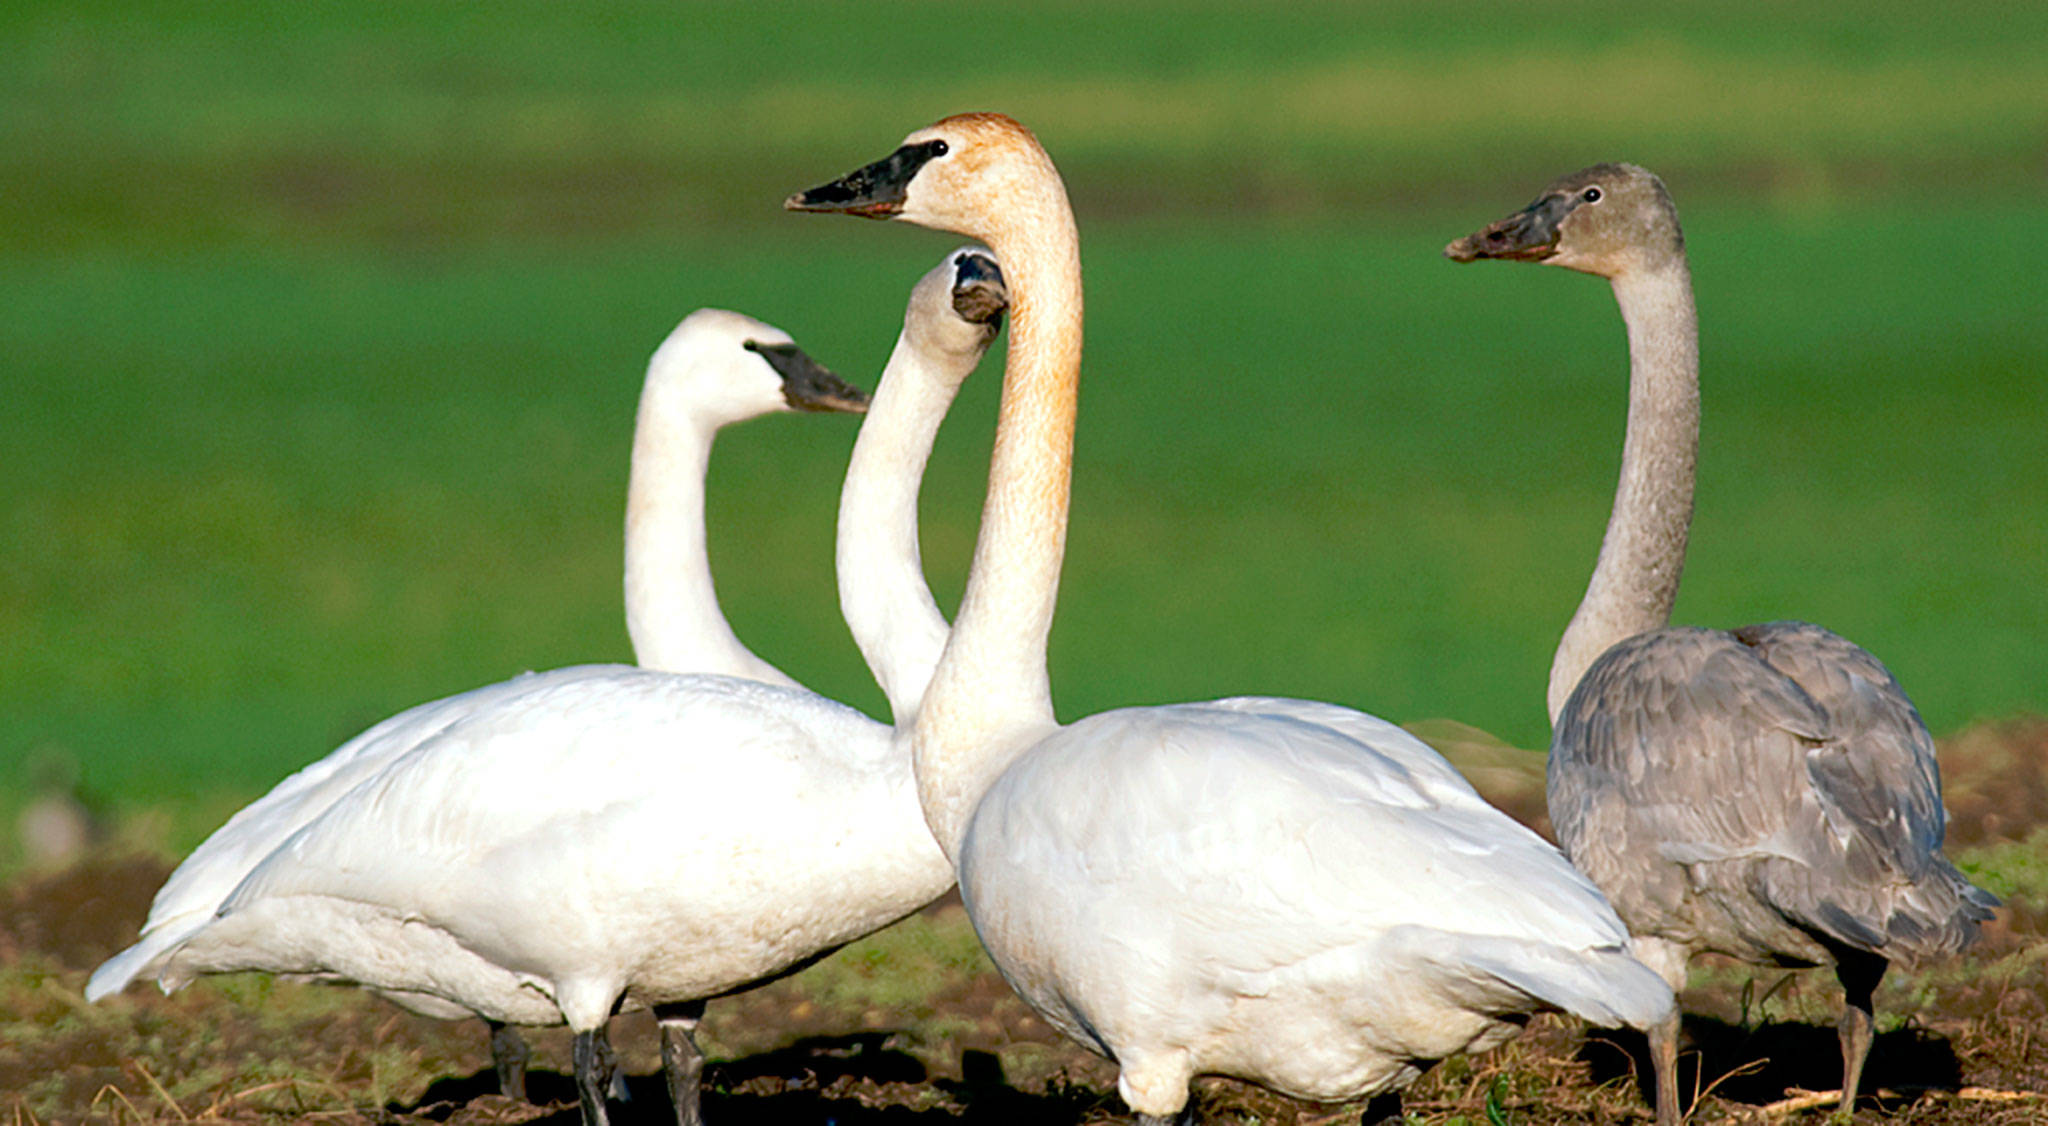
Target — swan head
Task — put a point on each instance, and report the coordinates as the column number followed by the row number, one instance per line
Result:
column 957, row 308
column 1610, row 220
column 969, row 174
column 730, row 367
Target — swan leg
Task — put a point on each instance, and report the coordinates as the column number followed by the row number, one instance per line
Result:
column 1185, row 1117
column 1668, row 958
column 509, row 1054
column 1664, row 1065
column 1859, row 973
column 681, row 1060
column 594, row 1063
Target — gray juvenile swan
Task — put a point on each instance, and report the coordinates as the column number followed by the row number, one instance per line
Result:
column 1769, row 793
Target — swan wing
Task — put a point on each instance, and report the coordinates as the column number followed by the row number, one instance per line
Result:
column 196, row 888
column 1878, row 785
column 564, row 829
column 1688, row 769
column 1267, row 850
column 1875, row 777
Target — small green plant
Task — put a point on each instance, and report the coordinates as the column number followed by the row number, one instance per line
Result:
column 1495, row 1112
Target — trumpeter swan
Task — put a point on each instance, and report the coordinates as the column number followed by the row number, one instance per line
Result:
column 626, row 837
column 700, row 381
column 1769, row 793
column 1283, row 891
column 714, row 369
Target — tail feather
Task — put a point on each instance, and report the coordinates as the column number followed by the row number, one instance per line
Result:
column 141, row 959
column 1939, row 917
column 1603, row 986
column 1932, row 917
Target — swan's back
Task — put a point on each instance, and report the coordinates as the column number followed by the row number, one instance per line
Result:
column 693, row 832
column 1768, row 793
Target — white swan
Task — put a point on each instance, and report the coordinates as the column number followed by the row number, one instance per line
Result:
column 1287, row 892
column 626, row 837
column 1769, row 793
column 714, row 369
column 709, row 374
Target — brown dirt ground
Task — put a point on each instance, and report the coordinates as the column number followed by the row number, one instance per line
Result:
column 1956, row 1041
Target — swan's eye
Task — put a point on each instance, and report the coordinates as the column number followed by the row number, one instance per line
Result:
column 1590, row 195
column 939, row 148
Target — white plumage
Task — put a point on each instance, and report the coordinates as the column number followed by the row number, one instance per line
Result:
column 1282, row 891
column 1253, row 887
column 618, row 837
column 701, row 379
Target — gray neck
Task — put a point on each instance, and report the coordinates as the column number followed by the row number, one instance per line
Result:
column 672, row 611
column 1635, row 582
column 882, row 590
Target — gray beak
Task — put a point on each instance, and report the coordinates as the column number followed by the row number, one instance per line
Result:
column 806, row 384
column 1529, row 235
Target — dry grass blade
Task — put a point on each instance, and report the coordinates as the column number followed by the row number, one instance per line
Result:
column 1731, row 1073
column 236, row 1096
column 117, row 1093
column 160, row 1093
column 1804, row 1100
column 1810, row 1100
column 1993, row 1095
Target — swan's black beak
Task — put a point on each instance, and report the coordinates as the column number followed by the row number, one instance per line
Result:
column 874, row 192
column 1529, row 235
column 806, row 383
column 979, row 294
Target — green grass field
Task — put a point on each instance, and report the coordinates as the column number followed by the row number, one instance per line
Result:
column 324, row 330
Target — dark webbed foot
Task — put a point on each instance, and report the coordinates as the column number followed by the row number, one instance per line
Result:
column 681, row 1061
column 509, row 1054
column 594, row 1065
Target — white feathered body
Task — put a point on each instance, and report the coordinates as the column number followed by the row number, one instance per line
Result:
column 641, row 835
column 1292, row 893
column 196, row 888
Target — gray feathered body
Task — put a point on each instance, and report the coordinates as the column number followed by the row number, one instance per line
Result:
column 1770, row 794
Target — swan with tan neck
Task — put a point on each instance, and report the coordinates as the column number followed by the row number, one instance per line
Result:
column 1283, row 891
column 613, row 838
column 1768, row 793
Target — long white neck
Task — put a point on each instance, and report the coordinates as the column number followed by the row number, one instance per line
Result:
column 882, row 590
column 1635, row 583
column 672, row 611
column 990, row 697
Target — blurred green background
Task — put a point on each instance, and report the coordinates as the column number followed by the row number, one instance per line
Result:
column 324, row 325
